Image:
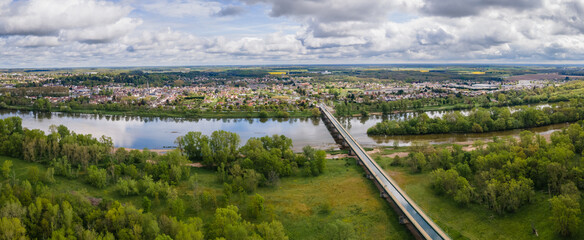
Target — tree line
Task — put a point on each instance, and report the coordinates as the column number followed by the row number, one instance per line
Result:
column 483, row 120
column 261, row 161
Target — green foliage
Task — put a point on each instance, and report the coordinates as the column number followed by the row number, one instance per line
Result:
column 177, row 207
column 33, row 174
column 565, row 212
column 146, row 204
column 339, row 230
column 49, row 176
column 483, row 120
column 314, row 159
column 96, row 177
column 6, row 168
column 450, row 183
column 127, row 187
column 263, row 114
column 12, row 229
column 505, row 175
column 256, row 206
column 272, row 231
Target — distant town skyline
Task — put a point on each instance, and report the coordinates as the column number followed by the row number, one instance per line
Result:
column 99, row 33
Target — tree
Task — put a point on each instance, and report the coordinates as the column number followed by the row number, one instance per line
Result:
column 33, row 174
column 565, row 214
column 339, row 230
column 224, row 146
column 6, row 168
column 177, row 207
column 49, row 175
column 97, row 177
column 315, row 112
column 191, row 229
column 417, row 162
column 256, row 206
column 127, row 187
column 272, row 231
column 192, row 145
column 12, row 229
column 146, row 204
column 224, row 217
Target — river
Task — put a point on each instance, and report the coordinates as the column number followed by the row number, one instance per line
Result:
column 160, row 133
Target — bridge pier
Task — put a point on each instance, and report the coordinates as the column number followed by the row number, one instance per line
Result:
column 351, row 152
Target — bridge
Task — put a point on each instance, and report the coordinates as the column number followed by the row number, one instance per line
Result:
column 421, row 226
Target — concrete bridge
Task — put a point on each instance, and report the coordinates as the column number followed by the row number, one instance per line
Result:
column 421, row 226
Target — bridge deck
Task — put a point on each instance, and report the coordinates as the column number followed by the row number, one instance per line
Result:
column 422, row 223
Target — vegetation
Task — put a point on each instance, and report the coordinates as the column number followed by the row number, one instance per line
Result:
column 506, row 175
column 563, row 93
column 483, row 120
column 44, row 199
column 261, row 161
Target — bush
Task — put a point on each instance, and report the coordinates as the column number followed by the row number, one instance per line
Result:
column 6, row 168
column 97, row 177
column 263, row 114
column 127, row 187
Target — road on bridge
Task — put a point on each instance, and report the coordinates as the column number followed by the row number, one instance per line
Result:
column 425, row 227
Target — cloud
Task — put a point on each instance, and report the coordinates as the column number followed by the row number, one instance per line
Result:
column 102, row 34
column 327, row 31
column 461, row 8
column 329, row 10
column 230, row 11
column 35, row 41
column 181, row 8
column 49, row 17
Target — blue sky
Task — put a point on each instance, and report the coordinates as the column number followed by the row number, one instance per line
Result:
column 85, row 33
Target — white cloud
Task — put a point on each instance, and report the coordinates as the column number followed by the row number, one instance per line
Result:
column 182, row 8
column 100, row 34
column 49, row 17
column 35, row 41
column 328, row 31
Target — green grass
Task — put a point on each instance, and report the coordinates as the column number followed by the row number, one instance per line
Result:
column 298, row 202
column 351, row 197
column 475, row 221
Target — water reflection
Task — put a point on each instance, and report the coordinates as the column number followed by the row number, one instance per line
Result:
column 155, row 132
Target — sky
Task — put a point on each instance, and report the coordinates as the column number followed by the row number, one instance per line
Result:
column 111, row 33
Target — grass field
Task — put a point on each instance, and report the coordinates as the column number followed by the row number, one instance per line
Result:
column 305, row 205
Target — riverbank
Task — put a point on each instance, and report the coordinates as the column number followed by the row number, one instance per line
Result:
column 175, row 114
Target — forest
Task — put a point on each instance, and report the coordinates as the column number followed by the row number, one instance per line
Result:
column 504, row 174
column 30, row 210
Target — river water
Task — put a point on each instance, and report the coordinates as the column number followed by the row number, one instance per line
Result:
column 160, row 133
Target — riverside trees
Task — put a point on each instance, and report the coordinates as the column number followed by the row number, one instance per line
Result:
column 505, row 175
column 261, row 161
column 483, row 120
